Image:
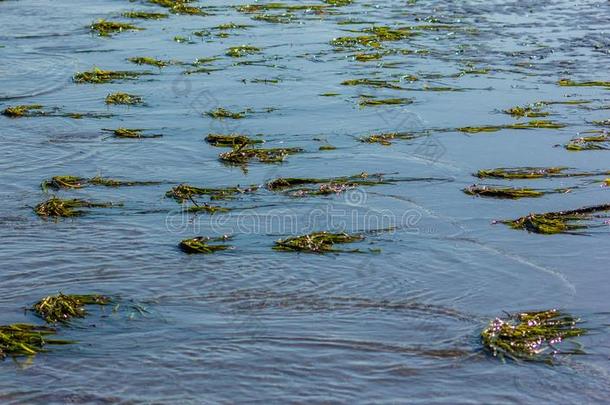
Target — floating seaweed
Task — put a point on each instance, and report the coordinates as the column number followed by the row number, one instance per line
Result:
column 58, row 207
column 242, row 50
column 599, row 142
column 231, row 140
column 74, row 182
column 143, row 60
column 372, row 83
column 24, row 110
column 242, row 155
column 572, row 221
column 317, row 242
column 220, row 113
column 105, row 28
column 97, row 76
column 62, row 308
column 131, row 133
column 570, row 83
column 367, row 102
column 524, row 125
column 534, row 173
column 143, row 15
column 22, row 339
column 361, row 179
column 527, row 111
column 505, row 192
column 530, row 336
column 184, row 192
column 202, row 244
column 179, row 7
column 602, row 123
column 123, row 99
column 387, row 138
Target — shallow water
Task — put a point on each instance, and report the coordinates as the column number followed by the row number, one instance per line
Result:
column 259, row 325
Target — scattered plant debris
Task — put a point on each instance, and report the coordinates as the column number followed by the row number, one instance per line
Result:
column 58, row 207
column 62, row 308
column 22, row 339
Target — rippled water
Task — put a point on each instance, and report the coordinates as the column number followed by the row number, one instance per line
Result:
column 254, row 324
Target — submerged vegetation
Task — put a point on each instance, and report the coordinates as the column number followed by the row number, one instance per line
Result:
column 387, row 138
column 179, row 7
column 530, row 111
column 242, row 155
column 598, row 142
column 572, row 221
column 24, row 110
column 524, row 125
column 58, row 207
column 530, row 336
column 22, row 339
column 74, row 182
column 243, row 50
column 220, row 113
column 204, row 245
column 131, row 133
column 144, row 60
column 367, row 102
column 231, row 140
column 317, row 242
column 123, row 99
column 143, row 15
column 105, row 28
column 184, row 192
column 62, row 308
column 503, row 192
column 300, row 187
column 570, row 83
column 97, row 76
column 533, row 173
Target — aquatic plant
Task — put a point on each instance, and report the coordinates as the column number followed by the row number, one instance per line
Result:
column 97, row 76
column 371, row 83
column 201, row 244
column 58, row 207
column 572, row 221
column 367, row 57
column 242, row 50
column 387, row 138
column 524, row 125
column 231, row 140
column 533, row 173
column 242, row 155
column 570, row 83
column 62, row 308
column 361, row 179
column 527, row 111
column 367, row 102
column 502, row 192
column 602, row 123
column 74, row 182
column 179, row 7
column 24, row 110
column 123, row 99
column 599, row 142
column 530, row 336
column 130, row 133
column 220, row 113
column 143, row 60
column 184, row 192
column 105, row 28
column 317, row 242
column 143, row 15
column 22, row 339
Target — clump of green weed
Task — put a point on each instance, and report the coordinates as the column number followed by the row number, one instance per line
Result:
column 58, row 207
column 105, row 28
column 231, row 140
column 123, row 99
column 24, row 110
column 202, row 244
column 26, row 340
column 98, row 76
column 62, row 308
column 550, row 223
column 317, row 242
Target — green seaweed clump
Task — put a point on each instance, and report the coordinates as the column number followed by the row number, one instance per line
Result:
column 22, row 339
column 123, row 99
column 502, row 192
column 98, row 76
column 74, row 182
column 527, row 111
column 317, row 242
column 231, row 140
column 179, row 7
column 62, row 308
column 367, row 102
column 600, row 142
column 533, row 173
column 242, row 50
column 106, row 28
column 143, row 15
column 551, row 223
column 290, row 183
column 184, row 192
column 131, row 133
column 220, row 113
column 530, row 336
column 58, row 207
column 524, row 125
column 144, row 60
column 25, row 110
column 371, row 83
column 387, row 138
column 243, row 155
column 202, row 245
column 602, row 123
column 570, row 83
